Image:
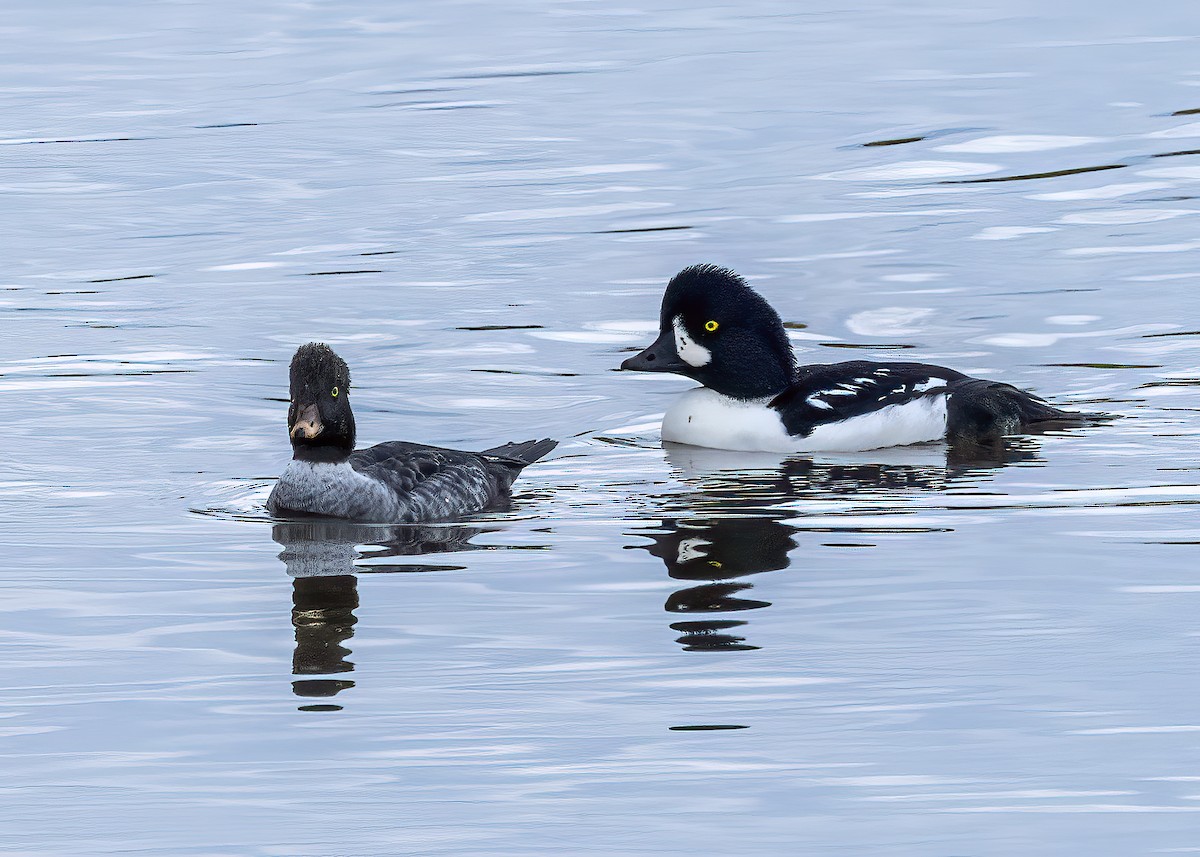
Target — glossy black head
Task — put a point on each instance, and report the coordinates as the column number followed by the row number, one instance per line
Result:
column 320, row 422
column 716, row 329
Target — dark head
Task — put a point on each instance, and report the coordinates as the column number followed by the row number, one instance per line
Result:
column 716, row 329
column 320, row 422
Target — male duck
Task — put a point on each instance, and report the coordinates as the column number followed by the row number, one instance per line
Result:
column 395, row 482
column 716, row 329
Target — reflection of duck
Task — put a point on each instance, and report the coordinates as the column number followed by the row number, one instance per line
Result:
column 323, row 547
column 321, row 556
column 718, row 551
column 323, row 616
column 740, row 479
column 731, row 524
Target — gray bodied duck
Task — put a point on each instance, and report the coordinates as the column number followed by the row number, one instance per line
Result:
column 395, row 482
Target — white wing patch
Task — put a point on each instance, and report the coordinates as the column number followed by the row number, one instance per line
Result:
column 689, row 351
column 842, row 390
column 869, row 385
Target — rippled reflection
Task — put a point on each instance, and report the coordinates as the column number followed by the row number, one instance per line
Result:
column 714, row 553
column 740, row 504
column 738, row 479
column 324, row 559
column 323, row 616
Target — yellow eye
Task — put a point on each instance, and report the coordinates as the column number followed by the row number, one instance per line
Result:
column 710, row 326
column 334, row 392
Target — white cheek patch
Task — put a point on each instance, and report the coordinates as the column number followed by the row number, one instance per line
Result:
column 690, row 549
column 689, row 351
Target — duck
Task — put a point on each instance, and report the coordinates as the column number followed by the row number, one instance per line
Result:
column 715, row 329
column 395, row 482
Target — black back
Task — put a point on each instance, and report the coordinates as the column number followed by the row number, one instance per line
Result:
column 840, row 391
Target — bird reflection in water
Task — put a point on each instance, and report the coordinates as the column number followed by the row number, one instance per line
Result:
column 732, row 524
column 713, row 553
column 324, row 558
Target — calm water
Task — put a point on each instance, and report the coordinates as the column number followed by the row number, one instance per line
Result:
column 653, row 652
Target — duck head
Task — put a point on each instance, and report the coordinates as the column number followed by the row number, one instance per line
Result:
column 320, row 422
column 717, row 330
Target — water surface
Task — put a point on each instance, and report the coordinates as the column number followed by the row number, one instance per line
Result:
column 653, row 651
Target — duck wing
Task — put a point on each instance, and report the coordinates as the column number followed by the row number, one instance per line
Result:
column 835, row 392
column 429, row 483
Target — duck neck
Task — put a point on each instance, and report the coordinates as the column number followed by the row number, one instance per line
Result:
column 759, row 374
column 323, row 454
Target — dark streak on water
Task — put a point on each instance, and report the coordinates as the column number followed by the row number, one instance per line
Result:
column 1107, row 365
column 78, row 140
column 642, row 229
column 899, row 141
column 123, row 279
column 503, row 327
column 1050, row 174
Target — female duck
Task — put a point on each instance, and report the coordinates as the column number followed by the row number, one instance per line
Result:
column 717, row 330
column 395, row 482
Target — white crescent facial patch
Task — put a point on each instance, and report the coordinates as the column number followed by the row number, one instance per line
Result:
column 689, row 351
column 690, row 549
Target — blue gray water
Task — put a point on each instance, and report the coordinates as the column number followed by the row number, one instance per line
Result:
column 478, row 205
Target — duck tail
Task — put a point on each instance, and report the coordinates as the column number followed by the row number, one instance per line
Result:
column 978, row 409
column 525, row 452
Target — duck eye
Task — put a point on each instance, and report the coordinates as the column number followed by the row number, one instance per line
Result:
column 710, row 326
column 334, row 392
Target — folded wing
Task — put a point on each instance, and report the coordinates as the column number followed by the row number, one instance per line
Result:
column 842, row 391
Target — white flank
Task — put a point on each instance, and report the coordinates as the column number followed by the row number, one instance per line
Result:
column 702, row 417
column 688, row 350
column 929, row 384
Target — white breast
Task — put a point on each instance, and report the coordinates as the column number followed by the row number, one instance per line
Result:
column 702, row 417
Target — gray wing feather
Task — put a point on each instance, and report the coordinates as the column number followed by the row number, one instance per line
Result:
column 429, row 483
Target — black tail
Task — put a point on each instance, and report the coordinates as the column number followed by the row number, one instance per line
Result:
column 526, row 452
column 981, row 411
